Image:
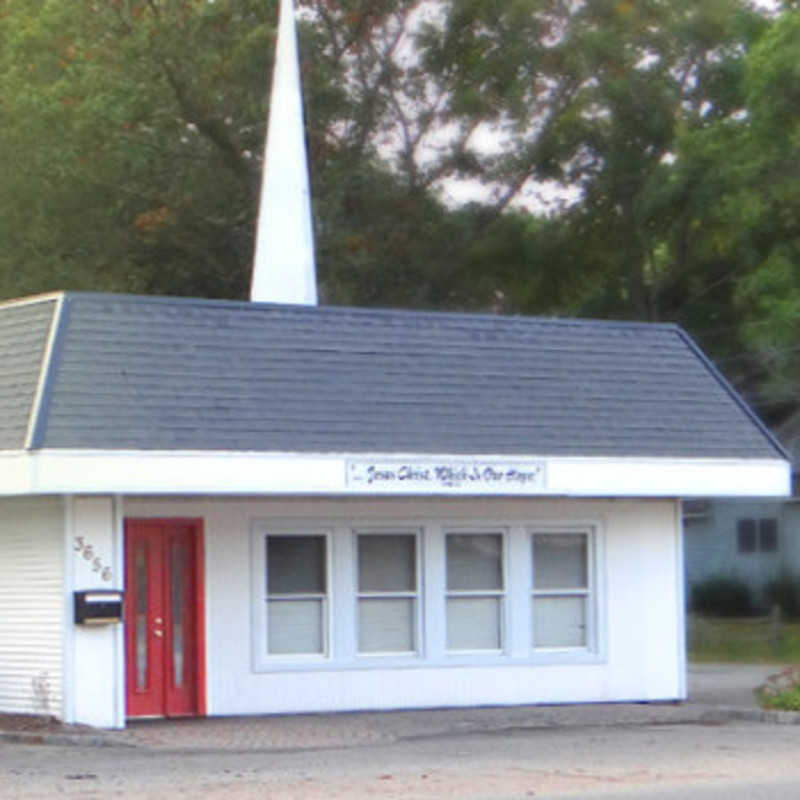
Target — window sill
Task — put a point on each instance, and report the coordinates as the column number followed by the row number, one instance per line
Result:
column 460, row 661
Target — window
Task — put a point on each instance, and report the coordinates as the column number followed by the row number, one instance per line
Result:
column 387, row 593
column 768, row 535
column 475, row 591
column 561, row 590
column 297, row 592
column 757, row 535
column 746, row 535
column 359, row 593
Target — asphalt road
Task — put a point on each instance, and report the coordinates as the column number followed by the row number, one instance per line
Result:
column 731, row 761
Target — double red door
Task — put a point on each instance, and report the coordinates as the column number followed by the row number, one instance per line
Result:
column 163, row 604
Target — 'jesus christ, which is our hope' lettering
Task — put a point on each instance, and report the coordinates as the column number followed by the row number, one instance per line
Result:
column 451, row 475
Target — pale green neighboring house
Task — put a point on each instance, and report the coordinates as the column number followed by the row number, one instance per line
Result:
column 755, row 540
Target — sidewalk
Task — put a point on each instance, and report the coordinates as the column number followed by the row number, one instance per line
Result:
column 728, row 685
column 718, row 693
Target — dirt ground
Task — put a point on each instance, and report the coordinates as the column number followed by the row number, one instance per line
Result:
column 692, row 761
column 24, row 723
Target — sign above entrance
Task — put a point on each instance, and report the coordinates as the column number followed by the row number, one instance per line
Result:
column 456, row 475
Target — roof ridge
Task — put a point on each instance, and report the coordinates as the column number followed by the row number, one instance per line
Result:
column 306, row 310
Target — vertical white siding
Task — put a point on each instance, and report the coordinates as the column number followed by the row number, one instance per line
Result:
column 31, row 605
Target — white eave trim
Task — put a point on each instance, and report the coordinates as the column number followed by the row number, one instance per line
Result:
column 345, row 474
column 44, row 371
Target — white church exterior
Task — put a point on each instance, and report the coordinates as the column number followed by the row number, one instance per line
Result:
column 215, row 508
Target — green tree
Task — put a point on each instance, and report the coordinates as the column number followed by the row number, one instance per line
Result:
column 764, row 210
column 128, row 130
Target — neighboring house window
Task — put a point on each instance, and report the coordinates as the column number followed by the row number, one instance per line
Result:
column 768, row 535
column 561, row 590
column 297, row 595
column 475, row 591
column 757, row 535
column 387, row 593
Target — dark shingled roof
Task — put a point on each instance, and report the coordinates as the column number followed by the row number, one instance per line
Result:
column 24, row 329
column 148, row 373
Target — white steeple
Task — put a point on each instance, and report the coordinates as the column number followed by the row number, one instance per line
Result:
column 284, row 269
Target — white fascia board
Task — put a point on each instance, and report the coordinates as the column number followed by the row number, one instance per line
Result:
column 15, row 473
column 237, row 473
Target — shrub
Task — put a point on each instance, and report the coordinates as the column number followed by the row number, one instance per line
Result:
column 784, row 591
column 721, row 596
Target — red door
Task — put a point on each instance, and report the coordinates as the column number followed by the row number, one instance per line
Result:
column 163, row 618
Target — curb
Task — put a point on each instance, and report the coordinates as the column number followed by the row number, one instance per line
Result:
column 724, row 714
column 692, row 715
column 97, row 739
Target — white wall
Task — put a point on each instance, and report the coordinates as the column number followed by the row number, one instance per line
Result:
column 31, row 605
column 641, row 650
column 95, row 654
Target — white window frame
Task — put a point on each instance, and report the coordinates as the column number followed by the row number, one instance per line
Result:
column 416, row 595
column 590, row 592
column 341, row 602
column 262, row 659
column 501, row 594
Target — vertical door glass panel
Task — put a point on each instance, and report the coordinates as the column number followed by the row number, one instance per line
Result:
column 178, row 567
column 142, row 589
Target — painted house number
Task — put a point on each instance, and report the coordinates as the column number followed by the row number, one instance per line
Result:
column 86, row 549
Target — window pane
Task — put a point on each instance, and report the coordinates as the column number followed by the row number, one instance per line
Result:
column 142, row 592
column 386, row 625
column 179, row 567
column 559, row 561
column 746, row 535
column 768, row 535
column 559, row 622
column 387, row 563
column 474, row 561
column 294, row 626
column 295, row 565
column 473, row 623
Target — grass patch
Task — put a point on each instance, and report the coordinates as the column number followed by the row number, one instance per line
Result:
column 745, row 640
column 781, row 691
column 788, row 700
